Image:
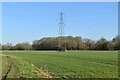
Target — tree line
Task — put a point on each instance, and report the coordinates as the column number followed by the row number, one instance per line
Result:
column 69, row 42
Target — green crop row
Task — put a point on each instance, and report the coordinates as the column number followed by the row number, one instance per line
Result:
column 71, row 64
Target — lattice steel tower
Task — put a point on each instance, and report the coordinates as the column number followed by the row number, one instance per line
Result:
column 62, row 42
column 61, row 24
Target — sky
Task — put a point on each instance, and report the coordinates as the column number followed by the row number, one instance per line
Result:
column 29, row 21
column 0, row 22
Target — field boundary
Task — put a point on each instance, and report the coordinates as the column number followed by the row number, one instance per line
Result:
column 39, row 72
column 4, row 78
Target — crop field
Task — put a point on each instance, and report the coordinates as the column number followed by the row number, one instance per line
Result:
column 70, row 64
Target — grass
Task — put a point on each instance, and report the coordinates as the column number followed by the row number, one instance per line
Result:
column 19, row 69
column 72, row 64
column 6, row 63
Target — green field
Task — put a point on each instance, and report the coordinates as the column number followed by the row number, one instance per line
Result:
column 71, row 64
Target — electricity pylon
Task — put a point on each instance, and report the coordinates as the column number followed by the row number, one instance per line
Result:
column 62, row 32
column 61, row 24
